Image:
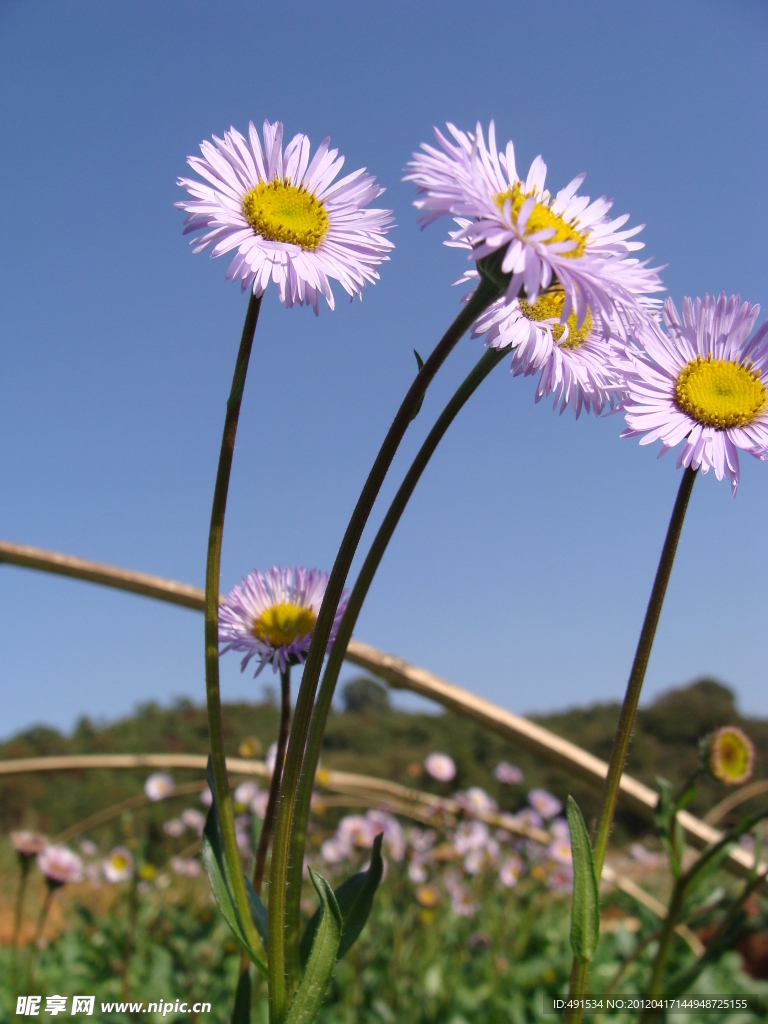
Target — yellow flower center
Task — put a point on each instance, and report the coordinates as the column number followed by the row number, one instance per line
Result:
column 549, row 306
column 281, row 212
column 719, row 393
column 283, row 623
column 544, row 218
column 118, row 862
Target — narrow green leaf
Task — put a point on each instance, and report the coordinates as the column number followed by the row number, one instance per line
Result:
column 257, row 825
column 241, row 1014
column 686, row 797
column 319, row 970
column 355, row 899
column 258, row 911
column 663, row 805
column 216, row 866
column 419, row 363
column 585, row 913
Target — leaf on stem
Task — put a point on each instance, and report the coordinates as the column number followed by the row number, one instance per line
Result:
column 585, row 913
column 419, row 363
column 241, row 1014
column 322, row 959
column 215, row 863
column 355, row 899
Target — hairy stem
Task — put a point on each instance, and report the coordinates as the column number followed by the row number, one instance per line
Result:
column 632, row 696
column 359, row 593
column 212, row 573
column 279, row 983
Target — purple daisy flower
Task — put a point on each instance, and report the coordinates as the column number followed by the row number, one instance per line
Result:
column 285, row 216
column 272, row 616
column 565, row 238
column 702, row 383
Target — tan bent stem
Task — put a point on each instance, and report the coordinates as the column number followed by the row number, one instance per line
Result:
column 397, row 673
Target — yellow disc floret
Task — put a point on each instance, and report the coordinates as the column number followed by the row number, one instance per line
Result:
column 719, row 393
column 549, row 306
column 282, row 212
column 543, row 218
column 281, row 624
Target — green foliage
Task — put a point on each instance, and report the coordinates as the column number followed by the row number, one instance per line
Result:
column 410, row 966
column 318, row 971
column 355, row 899
column 221, row 884
column 585, row 912
column 365, row 697
column 241, row 1014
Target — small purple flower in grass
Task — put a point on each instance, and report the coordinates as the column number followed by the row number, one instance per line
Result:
column 158, row 786
column 271, row 616
column 193, row 819
column 509, row 774
column 440, row 767
column 60, row 865
column 560, row 850
column 510, row 871
column 462, row 902
column 543, row 802
column 284, row 215
column 476, row 801
column 704, row 383
column 245, row 792
column 118, row 865
column 187, row 867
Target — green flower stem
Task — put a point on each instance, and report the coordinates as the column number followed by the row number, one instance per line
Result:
column 274, row 790
column 51, row 888
column 717, row 943
column 632, row 696
column 24, row 866
column 677, row 900
column 477, row 375
column 212, row 573
column 482, row 297
column 277, row 774
column 665, row 940
column 640, row 664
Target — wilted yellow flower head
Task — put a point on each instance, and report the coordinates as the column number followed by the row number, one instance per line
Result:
column 729, row 755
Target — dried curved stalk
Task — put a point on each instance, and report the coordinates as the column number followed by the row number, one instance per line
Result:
column 400, row 675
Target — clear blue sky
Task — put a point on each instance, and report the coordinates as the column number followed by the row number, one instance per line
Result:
column 522, row 567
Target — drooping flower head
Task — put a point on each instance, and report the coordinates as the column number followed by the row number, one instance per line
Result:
column 704, row 383
column 440, row 766
column 287, row 217
column 272, row 615
column 59, row 865
column 158, row 786
column 566, row 239
column 729, row 755
column 118, row 865
column 576, row 361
